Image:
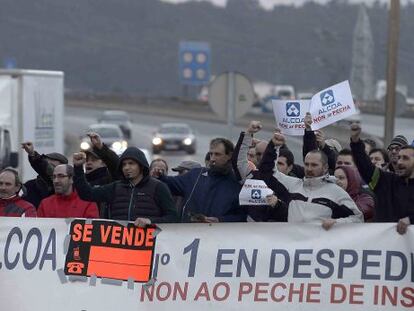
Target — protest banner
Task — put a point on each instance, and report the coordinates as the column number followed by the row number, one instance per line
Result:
column 241, row 266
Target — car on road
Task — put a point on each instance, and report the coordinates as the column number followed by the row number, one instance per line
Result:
column 119, row 118
column 174, row 136
column 111, row 135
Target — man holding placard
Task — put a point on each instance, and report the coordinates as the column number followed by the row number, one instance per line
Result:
column 316, row 197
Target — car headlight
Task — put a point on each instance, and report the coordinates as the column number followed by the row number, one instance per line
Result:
column 188, row 141
column 85, row 145
column 156, row 141
column 117, row 146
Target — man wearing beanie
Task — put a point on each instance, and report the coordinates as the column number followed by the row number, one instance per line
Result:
column 394, row 148
column 394, row 190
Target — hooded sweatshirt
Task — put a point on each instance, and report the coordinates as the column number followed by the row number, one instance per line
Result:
column 363, row 200
column 149, row 198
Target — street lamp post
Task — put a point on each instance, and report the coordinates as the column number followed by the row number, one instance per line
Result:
column 392, row 62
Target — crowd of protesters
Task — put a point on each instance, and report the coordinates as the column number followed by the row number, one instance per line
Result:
column 362, row 183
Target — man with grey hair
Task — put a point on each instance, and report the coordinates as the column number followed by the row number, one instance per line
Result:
column 11, row 204
column 65, row 203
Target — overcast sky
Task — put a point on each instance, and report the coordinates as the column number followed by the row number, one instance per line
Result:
column 270, row 3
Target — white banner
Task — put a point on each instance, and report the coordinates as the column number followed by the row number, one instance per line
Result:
column 290, row 115
column 331, row 105
column 254, row 192
column 241, row 266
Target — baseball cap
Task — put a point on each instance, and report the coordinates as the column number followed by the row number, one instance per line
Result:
column 186, row 165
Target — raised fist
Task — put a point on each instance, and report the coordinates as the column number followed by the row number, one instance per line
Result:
column 278, row 139
column 28, row 147
column 79, row 158
column 254, row 127
column 320, row 138
column 95, row 140
column 308, row 121
column 355, row 132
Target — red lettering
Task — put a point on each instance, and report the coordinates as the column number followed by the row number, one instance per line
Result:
column 354, row 293
column 342, row 293
column 258, row 291
column 77, row 232
column 127, row 236
column 244, row 288
column 293, row 291
column 226, row 291
column 202, row 292
column 310, row 292
column 116, row 235
column 408, row 292
column 87, row 233
column 105, row 231
column 149, row 241
column 273, row 292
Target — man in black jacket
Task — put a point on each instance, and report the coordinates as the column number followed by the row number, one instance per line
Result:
column 394, row 191
column 137, row 196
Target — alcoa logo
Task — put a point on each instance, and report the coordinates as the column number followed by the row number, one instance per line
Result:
column 327, row 98
column 293, row 109
column 256, row 194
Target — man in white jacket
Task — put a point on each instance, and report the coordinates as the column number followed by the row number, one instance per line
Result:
column 315, row 198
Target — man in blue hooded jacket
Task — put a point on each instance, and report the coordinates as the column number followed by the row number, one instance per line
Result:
column 210, row 194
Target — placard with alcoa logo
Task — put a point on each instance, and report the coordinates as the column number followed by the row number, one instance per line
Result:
column 326, row 107
column 108, row 249
column 290, row 115
column 254, row 192
column 331, row 105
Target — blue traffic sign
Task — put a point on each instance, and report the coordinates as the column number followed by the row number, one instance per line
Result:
column 9, row 62
column 194, row 62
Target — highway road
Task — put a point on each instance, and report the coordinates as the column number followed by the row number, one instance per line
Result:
column 144, row 125
column 78, row 119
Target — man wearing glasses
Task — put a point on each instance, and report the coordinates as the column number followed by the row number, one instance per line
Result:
column 65, row 203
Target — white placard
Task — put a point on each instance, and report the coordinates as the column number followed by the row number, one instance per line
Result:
column 290, row 115
column 331, row 105
column 326, row 107
column 254, row 192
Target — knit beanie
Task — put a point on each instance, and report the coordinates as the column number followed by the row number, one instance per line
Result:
column 399, row 140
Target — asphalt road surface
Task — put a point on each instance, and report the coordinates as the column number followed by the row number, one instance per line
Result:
column 77, row 121
column 143, row 126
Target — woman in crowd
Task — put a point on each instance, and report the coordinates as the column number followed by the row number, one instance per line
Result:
column 348, row 178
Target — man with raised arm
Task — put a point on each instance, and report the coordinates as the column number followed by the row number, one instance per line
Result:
column 394, row 191
column 316, row 197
